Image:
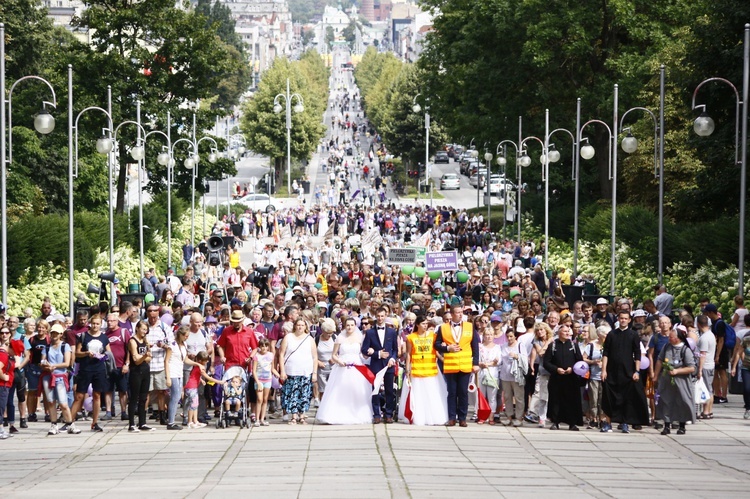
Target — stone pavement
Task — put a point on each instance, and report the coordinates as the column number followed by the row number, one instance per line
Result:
column 397, row 461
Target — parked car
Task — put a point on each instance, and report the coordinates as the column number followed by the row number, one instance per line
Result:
column 260, row 201
column 450, row 181
column 441, row 157
column 477, row 180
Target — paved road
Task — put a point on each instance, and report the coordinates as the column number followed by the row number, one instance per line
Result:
column 398, row 461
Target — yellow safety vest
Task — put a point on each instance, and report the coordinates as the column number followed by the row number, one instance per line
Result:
column 423, row 355
column 455, row 362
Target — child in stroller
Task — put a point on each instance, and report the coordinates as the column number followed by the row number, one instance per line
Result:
column 233, row 394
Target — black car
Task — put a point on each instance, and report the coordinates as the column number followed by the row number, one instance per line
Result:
column 442, row 157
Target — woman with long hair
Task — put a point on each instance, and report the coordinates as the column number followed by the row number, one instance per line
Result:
column 427, row 393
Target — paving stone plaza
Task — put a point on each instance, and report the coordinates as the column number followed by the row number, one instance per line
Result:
column 380, row 461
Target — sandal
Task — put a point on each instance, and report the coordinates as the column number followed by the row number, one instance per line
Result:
column 481, row 421
column 303, row 420
column 491, row 422
column 293, row 421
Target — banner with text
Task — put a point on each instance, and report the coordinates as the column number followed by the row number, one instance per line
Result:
column 441, row 260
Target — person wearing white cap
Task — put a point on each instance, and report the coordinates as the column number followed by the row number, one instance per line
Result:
column 602, row 312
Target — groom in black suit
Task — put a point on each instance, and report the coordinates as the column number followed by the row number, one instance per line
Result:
column 380, row 345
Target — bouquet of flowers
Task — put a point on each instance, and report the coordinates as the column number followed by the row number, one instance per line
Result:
column 668, row 367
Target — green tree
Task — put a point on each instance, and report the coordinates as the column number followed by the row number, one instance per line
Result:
column 152, row 51
column 402, row 129
column 265, row 130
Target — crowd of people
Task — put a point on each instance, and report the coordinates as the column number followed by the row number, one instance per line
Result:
column 335, row 326
column 322, row 319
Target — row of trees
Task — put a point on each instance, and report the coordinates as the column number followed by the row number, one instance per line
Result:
column 164, row 56
column 388, row 89
column 490, row 61
column 265, row 129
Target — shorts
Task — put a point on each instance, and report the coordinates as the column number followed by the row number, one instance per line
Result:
column 33, row 373
column 19, row 383
column 708, row 379
column 723, row 362
column 158, row 381
column 233, row 400
column 191, row 398
column 118, row 382
column 56, row 393
column 262, row 385
column 97, row 379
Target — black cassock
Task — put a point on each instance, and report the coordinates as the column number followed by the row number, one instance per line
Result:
column 564, row 389
column 623, row 399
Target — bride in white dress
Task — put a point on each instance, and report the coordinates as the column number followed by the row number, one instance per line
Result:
column 348, row 395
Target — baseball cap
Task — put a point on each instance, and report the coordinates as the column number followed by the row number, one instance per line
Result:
column 57, row 328
column 496, row 317
column 602, row 301
column 639, row 313
column 235, row 301
column 710, row 308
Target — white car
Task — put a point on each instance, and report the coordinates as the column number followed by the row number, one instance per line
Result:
column 478, row 178
column 450, row 181
column 262, row 201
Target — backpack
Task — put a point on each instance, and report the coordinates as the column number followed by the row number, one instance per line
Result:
column 730, row 336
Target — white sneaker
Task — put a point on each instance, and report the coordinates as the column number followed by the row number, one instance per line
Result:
column 747, row 414
column 200, row 425
column 72, row 430
column 285, row 417
column 53, row 429
column 4, row 435
column 256, row 424
column 134, row 429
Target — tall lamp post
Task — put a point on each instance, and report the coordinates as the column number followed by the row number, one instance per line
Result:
column 44, row 123
column 417, row 108
column 552, row 156
column 164, row 158
column 488, row 162
column 704, row 126
column 502, row 162
column 629, row 144
column 104, row 145
column 137, row 152
column 587, row 151
column 298, row 108
column 212, row 158
column 525, row 161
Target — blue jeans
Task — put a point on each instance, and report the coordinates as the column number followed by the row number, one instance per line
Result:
column 175, row 394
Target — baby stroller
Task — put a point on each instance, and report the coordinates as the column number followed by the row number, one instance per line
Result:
column 228, row 418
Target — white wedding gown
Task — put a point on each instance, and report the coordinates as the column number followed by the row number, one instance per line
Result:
column 348, row 395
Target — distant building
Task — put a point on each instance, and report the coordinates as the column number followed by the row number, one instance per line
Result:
column 265, row 27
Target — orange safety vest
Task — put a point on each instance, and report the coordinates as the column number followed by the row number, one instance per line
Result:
column 454, row 362
column 423, row 355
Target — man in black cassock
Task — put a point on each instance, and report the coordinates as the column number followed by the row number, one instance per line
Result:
column 623, row 399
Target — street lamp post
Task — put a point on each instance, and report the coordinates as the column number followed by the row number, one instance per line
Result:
column 587, row 152
column 417, row 108
column 525, row 161
column 552, row 156
column 104, row 145
column 298, row 108
column 488, row 162
column 137, row 152
column 502, row 162
column 212, row 158
column 164, row 158
column 44, row 123
column 629, row 144
column 704, row 126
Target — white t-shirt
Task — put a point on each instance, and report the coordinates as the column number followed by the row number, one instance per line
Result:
column 196, row 342
column 707, row 343
column 177, row 360
column 741, row 329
